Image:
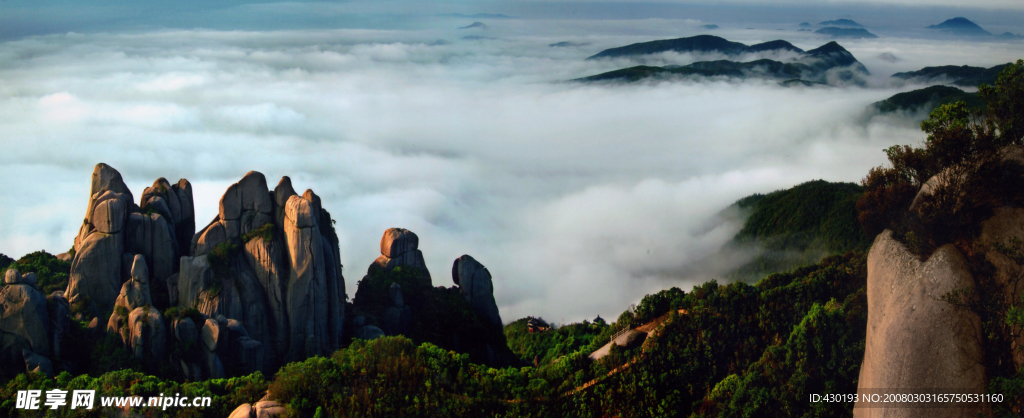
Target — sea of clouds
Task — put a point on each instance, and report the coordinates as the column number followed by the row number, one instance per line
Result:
column 579, row 198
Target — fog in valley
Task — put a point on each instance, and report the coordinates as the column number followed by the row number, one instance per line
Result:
column 579, row 197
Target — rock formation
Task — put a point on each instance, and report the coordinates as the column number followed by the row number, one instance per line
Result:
column 475, row 285
column 915, row 339
column 24, row 323
column 399, row 247
column 115, row 230
column 269, row 260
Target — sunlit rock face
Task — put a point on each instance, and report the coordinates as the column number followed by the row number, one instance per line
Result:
column 269, row 260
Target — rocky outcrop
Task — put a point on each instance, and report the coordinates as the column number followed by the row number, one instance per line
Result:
column 279, row 272
column 114, row 226
column 135, row 292
column 24, row 322
column 399, row 247
column 475, row 285
column 914, row 338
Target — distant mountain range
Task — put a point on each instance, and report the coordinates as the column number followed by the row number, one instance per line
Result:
column 966, row 76
column 841, row 22
column 812, row 66
column 699, row 43
column 960, row 26
column 848, row 33
column 475, row 25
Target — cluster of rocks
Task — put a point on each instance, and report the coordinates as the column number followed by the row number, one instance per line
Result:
column 284, row 279
column 32, row 325
column 269, row 260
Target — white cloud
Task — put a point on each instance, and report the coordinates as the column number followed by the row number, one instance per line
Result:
column 579, row 198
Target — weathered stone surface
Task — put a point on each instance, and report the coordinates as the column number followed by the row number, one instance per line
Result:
column 24, row 325
column 185, row 330
column 476, row 287
column 37, row 363
column 29, row 279
column 211, row 334
column 96, row 270
column 109, row 213
column 172, row 289
column 212, row 367
column 185, row 227
column 412, row 258
column 243, row 411
column 147, row 334
column 269, row 409
column 153, row 237
column 306, row 295
column 398, row 241
column 106, row 178
column 252, row 310
column 59, row 311
column 195, row 276
column 247, row 202
column 1005, row 225
column 335, row 293
column 64, row 257
column 914, row 339
column 267, row 261
column 210, row 237
column 13, row 276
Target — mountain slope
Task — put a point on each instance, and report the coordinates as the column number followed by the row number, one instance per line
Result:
column 799, row 226
column 927, row 99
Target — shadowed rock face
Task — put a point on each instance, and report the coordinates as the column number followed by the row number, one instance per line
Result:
column 475, row 285
column 24, row 323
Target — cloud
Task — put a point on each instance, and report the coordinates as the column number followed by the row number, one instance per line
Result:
column 579, row 198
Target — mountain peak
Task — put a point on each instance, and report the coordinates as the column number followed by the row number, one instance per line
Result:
column 960, row 26
column 828, row 48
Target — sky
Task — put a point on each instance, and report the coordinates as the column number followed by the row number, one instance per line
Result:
column 579, row 198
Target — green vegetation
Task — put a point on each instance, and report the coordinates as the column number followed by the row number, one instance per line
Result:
column 799, row 226
column 265, row 231
column 52, row 273
column 220, row 262
column 543, row 348
column 928, row 99
column 965, row 146
column 739, row 350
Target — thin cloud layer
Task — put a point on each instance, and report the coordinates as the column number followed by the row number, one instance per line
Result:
column 579, row 198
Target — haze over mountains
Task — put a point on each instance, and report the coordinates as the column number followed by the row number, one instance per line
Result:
column 463, row 141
